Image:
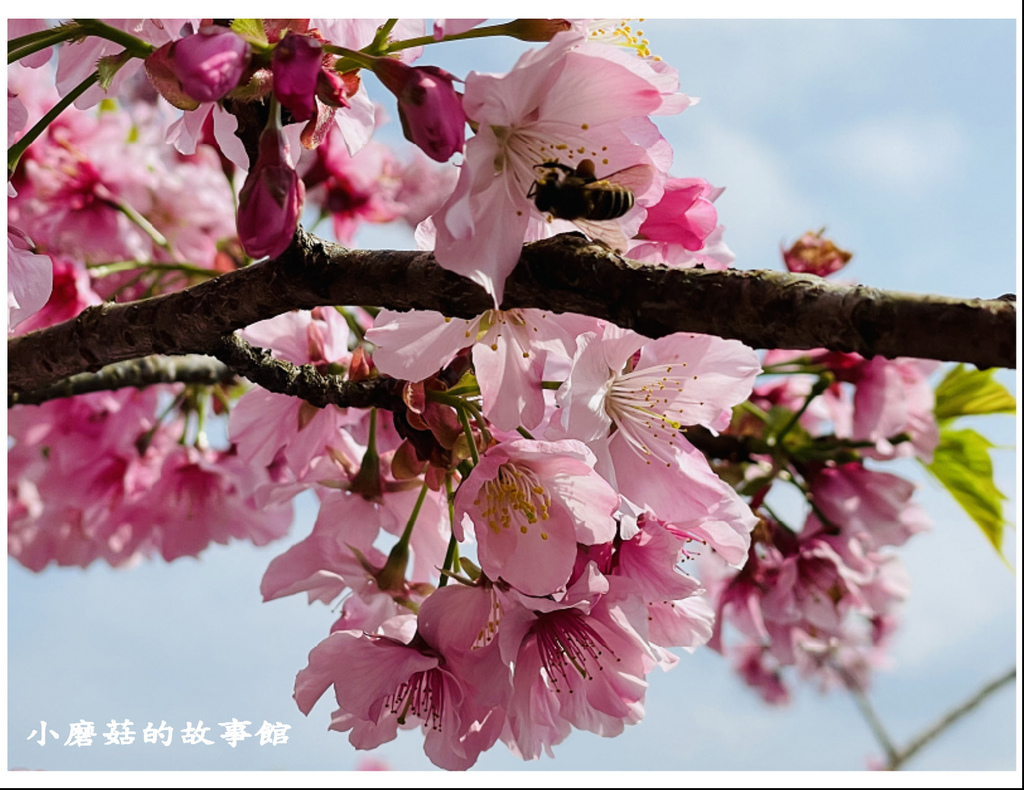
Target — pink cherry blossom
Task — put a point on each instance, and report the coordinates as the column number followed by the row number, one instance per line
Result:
column 271, row 200
column 509, row 351
column 22, row 27
column 296, row 64
column 530, row 503
column 452, row 27
column 77, row 61
column 352, row 189
column 210, row 63
column 577, row 662
column 676, row 381
column 430, row 109
column 569, row 101
column 875, row 507
column 893, row 396
column 381, row 683
column 72, row 293
column 29, row 279
column 685, row 214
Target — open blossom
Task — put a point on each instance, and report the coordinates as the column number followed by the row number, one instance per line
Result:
column 385, row 681
column 568, row 102
column 530, row 504
column 509, row 351
column 676, row 381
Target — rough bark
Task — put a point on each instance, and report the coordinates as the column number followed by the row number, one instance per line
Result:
column 764, row 309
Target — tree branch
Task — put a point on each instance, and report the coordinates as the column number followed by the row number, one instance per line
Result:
column 305, row 381
column 567, row 273
column 144, row 372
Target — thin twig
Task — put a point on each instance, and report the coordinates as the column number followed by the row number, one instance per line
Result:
column 897, row 760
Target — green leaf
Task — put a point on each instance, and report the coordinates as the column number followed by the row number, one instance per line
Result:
column 962, row 464
column 251, row 30
column 968, row 391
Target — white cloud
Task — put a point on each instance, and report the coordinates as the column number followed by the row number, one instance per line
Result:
column 901, row 153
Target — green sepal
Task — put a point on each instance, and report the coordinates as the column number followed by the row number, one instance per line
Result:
column 107, row 67
column 252, row 31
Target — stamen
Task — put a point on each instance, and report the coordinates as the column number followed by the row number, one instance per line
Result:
column 514, row 496
column 422, row 696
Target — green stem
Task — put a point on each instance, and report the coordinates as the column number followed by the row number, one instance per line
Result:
column 379, row 43
column 451, row 555
column 136, row 47
column 477, row 32
column 144, row 224
column 360, row 58
column 524, row 433
column 404, row 540
column 822, row 384
column 23, row 46
column 98, row 271
column 551, row 385
column 480, row 421
column 464, row 419
column 869, row 716
column 15, row 152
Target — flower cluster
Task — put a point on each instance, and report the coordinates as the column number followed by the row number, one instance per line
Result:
column 513, row 547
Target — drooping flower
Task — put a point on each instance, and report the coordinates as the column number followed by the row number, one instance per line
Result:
column 271, row 200
column 814, row 254
column 430, row 109
column 296, row 65
column 382, row 682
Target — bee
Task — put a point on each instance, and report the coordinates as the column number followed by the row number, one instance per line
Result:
column 578, row 195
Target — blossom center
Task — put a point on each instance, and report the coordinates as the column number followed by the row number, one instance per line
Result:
column 647, row 406
column 422, row 695
column 567, row 642
column 514, row 496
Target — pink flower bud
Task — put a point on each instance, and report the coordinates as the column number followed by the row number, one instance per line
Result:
column 684, row 215
column 160, row 70
column 813, row 254
column 210, row 64
column 270, row 203
column 430, row 109
column 296, row 65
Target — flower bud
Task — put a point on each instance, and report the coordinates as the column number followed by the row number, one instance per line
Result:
column 536, row 29
column 296, row 65
column 161, row 74
column 270, row 203
column 684, row 215
column 430, row 109
column 813, row 254
column 210, row 63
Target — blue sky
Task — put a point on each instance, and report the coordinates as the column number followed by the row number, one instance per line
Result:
column 897, row 135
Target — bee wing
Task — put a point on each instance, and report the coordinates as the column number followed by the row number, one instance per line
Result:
column 637, row 179
column 608, row 231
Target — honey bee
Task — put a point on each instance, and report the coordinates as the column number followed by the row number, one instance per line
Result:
column 578, row 195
